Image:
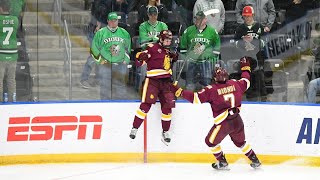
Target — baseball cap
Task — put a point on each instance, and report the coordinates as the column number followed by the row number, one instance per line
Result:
column 247, row 11
column 113, row 16
column 200, row 14
column 152, row 10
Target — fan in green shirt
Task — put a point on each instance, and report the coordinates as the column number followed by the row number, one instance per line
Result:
column 149, row 30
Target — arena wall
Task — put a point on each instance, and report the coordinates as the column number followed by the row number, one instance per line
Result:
column 99, row 132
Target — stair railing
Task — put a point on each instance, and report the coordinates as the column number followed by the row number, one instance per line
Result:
column 68, row 57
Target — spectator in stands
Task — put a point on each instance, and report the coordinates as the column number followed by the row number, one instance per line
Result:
column 143, row 15
column 264, row 12
column 200, row 44
column 150, row 30
column 313, row 88
column 295, row 10
column 248, row 41
column 111, row 47
column 98, row 20
column 214, row 20
column 9, row 52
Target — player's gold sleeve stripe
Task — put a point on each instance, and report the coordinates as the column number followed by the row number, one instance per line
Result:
column 166, row 117
column 214, row 134
column 144, row 90
column 140, row 114
column 196, row 99
column 221, row 117
column 246, row 148
column 216, row 149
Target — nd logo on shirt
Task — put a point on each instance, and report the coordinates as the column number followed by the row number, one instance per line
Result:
column 115, row 47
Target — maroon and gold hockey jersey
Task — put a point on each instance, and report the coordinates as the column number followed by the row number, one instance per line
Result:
column 158, row 62
column 222, row 97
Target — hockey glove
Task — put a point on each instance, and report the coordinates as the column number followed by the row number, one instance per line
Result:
column 176, row 89
column 174, row 56
column 142, row 56
column 245, row 64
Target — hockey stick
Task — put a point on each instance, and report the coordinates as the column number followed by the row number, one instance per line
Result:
column 206, row 13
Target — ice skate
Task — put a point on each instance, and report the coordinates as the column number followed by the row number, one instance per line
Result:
column 165, row 137
column 221, row 165
column 255, row 163
column 133, row 133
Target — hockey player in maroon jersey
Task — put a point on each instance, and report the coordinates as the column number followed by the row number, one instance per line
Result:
column 157, row 84
column 224, row 97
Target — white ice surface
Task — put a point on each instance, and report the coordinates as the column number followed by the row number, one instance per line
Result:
column 154, row 171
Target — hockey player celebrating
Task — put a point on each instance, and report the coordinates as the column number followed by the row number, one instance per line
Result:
column 159, row 61
column 201, row 45
column 224, row 97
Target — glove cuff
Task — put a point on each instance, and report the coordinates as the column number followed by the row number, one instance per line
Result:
column 178, row 92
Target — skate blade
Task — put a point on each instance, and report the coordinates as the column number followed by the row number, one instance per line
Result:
column 256, row 167
column 223, row 169
column 164, row 142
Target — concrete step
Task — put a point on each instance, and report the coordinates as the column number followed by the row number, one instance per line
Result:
column 53, row 29
column 53, row 41
column 47, row 54
column 72, row 17
column 61, row 92
column 47, row 5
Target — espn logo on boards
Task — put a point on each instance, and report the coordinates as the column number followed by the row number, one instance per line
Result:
column 43, row 128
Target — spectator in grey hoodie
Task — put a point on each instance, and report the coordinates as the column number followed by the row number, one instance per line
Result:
column 214, row 20
column 264, row 11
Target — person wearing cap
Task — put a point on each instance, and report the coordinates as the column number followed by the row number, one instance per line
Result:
column 200, row 44
column 248, row 41
column 265, row 12
column 214, row 20
column 143, row 11
column 150, row 30
column 111, row 48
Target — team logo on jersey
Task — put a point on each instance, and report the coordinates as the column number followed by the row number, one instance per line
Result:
column 159, row 51
column 166, row 62
column 151, row 96
column 198, row 48
column 115, row 49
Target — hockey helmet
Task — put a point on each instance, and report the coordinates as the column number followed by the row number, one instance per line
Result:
column 165, row 34
column 220, row 74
